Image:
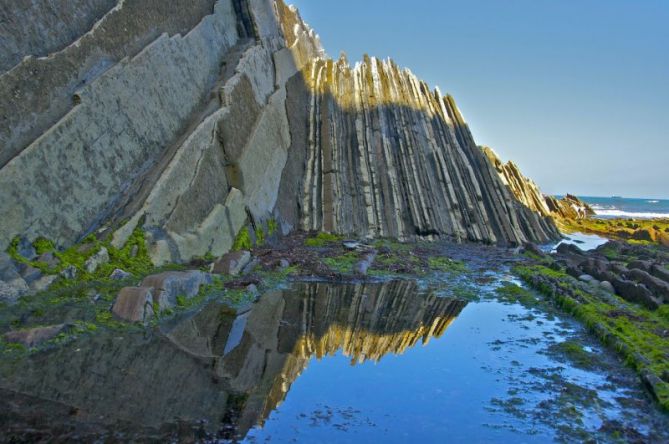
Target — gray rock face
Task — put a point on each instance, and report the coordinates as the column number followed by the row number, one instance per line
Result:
column 232, row 263
column 195, row 118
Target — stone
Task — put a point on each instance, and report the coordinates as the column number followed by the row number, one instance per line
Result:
column 12, row 285
column 232, row 264
column 640, row 265
column 634, row 292
column 29, row 273
column 25, row 249
column 363, row 265
column 35, row 336
column 43, row 283
column 70, row 272
column 534, row 249
column 660, row 272
column 251, row 266
column 49, row 259
column 606, row 285
column 169, row 285
column 659, row 287
column 134, row 304
column 351, row 245
column 99, row 258
column 283, row 264
column 586, row 278
column 119, row 275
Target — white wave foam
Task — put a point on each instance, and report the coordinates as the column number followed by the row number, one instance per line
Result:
column 634, row 215
column 653, row 201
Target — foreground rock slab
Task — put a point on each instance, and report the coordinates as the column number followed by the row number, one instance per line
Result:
column 172, row 284
column 134, row 304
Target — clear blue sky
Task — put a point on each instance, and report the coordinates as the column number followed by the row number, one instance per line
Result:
column 574, row 91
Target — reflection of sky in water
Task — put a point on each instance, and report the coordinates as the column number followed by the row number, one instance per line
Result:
column 450, row 390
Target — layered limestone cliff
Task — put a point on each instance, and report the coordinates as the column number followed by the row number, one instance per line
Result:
column 527, row 192
column 193, row 119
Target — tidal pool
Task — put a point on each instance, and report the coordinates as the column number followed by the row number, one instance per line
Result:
column 335, row 363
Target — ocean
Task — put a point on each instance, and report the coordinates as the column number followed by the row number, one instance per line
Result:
column 612, row 207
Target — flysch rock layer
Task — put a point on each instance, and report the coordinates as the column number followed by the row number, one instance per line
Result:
column 191, row 119
column 529, row 194
column 386, row 156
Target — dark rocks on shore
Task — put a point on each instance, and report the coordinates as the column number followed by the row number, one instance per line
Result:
column 637, row 274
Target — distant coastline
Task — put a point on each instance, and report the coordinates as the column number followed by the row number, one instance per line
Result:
column 633, row 208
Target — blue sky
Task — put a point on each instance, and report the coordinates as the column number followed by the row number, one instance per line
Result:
column 575, row 92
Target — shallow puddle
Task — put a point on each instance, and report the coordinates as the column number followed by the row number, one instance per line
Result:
column 336, row 363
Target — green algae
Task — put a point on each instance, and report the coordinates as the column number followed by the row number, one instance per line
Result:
column 322, row 240
column 243, row 240
column 343, row 263
column 446, row 265
column 635, row 333
column 512, row 293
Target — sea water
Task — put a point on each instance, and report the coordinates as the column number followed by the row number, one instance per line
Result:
column 638, row 208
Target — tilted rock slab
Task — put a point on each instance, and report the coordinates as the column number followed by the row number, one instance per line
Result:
column 194, row 124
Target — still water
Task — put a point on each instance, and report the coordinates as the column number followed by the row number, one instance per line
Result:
column 334, row 363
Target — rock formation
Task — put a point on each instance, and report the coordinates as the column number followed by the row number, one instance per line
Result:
column 193, row 119
column 527, row 192
column 217, row 369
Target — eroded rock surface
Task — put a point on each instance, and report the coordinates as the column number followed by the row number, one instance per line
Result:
column 225, row 114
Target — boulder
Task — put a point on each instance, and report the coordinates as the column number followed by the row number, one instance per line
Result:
column 534, row 249
column 29, row 273
column 12, row 285
column 43, row 283
column 363, row 265
column 586, row 278
column 167, row 286
column 660, row 272
column 134, row 304
column 99, row 258
column 119, row 275
column 659, row 287
column 637, row 293
column 25, row 249
column 640, row 265
column 69, row 273
column 232, row 263
column 606, row 285
column 49, row 259
column 35, row 336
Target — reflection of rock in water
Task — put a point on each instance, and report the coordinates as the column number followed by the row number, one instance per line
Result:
column 229, row 370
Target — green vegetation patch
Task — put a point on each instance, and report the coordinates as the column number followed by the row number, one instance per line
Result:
column 447, row 265
column 322, row 240
column 342, row 264
column 512, row 293
column 243, row 240
column 576, row 354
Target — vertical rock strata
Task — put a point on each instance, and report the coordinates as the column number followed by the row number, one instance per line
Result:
column 191, row 119
column 386, row 156
column 529, row 194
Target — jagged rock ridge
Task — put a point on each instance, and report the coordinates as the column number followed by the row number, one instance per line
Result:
column 225, row 114
column 527, row 192
column 386, row 156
